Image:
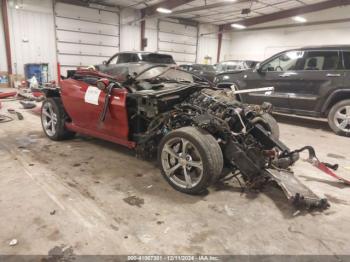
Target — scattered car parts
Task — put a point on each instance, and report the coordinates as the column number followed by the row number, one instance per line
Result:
column 7, row 94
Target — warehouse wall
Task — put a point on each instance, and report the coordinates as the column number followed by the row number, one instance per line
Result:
column 151, row 34
column 207, row 44
column 32, row 35
column 129, row 33
column 226, row 48
column 258, row 45
column 3, row 62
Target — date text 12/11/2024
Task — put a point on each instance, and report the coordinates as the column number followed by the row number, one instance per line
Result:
column 173, row 258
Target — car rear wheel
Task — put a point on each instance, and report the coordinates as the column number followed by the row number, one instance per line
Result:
column 53, row 118
column 339, row 118
column 190, row 159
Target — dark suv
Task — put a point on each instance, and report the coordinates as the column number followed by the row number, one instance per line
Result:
column 310, row 81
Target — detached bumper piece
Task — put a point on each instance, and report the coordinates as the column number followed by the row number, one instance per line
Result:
column 295, row 191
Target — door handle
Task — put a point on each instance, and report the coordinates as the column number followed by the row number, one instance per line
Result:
column 287, row 74
column 333, row 75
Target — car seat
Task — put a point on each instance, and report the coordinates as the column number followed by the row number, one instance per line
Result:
column 312, row 64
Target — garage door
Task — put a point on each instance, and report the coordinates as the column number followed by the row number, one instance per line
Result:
column 179, row 40
column 85, row 36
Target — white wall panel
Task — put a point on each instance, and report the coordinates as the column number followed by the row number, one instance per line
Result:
column 175, row 47
column 68, row 48
column 85, row 13
column 3, row 62
column 85, row 26
column 225, row 49
column 151, row 33
column 69, row 61
column 130, row 35
column 176, row 28
column 32, row 35
column 85, row 36
column 207, row 44
column 179, row 40
column 259, row 45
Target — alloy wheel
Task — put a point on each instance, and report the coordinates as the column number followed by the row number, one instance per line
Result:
column 49, row 119
column 342, row 118
column 182, row 163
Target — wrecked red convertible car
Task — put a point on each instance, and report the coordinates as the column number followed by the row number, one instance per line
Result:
column 199, row 134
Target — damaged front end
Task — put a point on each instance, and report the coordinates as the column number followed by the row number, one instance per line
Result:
column 249, row 146
column 164, row 100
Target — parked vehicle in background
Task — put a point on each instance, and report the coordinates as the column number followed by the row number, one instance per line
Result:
column 201, row 70
column 130, row 63
column 235, row 65
column 310, row 81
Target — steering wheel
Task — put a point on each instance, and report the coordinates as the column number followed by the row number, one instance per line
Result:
column 279, row 67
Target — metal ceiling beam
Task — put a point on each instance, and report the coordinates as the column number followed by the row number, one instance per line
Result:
column 325, row 22
column 207, row 7
column 168, row 4
column 290, row 12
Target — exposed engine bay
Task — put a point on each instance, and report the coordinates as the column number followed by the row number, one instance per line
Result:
column 249, row 147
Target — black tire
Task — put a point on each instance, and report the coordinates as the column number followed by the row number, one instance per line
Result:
column 61, row 132
column 332, row 122
column 210, row 155
column 269, row 123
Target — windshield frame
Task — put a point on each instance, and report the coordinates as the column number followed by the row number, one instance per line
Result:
column 195, row 77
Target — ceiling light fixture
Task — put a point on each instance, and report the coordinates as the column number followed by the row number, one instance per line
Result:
column 238, row 26
column 299, row 19
column 164, row 10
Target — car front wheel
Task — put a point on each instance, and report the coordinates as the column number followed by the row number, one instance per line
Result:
column 190, row 159
column 339, row 118
column 53, row 119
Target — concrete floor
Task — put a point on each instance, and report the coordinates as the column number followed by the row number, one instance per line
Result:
column 97, row 198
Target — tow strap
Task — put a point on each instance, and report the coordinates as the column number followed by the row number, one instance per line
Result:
column 324, row 167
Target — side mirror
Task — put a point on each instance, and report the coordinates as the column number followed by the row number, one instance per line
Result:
column 102, row 84
column 259, row 68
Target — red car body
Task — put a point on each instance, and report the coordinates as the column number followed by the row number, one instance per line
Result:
column 85, row 116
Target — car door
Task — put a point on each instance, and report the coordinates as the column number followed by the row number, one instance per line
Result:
column 319, row 72
column 276, row 72
column 346, row 66
column 84, row 104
